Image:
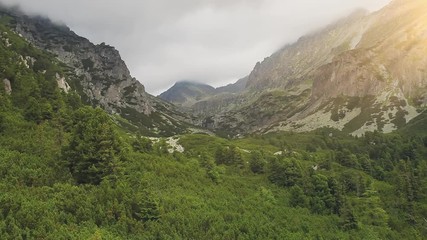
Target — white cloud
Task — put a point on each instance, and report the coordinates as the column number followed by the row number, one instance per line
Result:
column 211, row 41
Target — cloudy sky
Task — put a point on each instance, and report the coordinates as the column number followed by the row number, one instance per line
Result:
column 210, row 41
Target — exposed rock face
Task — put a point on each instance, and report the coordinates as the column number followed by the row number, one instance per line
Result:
column 7, row 86
column 366, row 72
column 62, row 83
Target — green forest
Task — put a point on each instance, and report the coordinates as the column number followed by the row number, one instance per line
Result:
column 71, row 171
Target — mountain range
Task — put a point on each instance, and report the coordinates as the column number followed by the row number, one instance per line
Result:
column 362, row 73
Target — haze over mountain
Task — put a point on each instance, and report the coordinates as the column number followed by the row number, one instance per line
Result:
column 215, row 42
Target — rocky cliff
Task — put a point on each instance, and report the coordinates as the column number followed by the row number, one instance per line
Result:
column 99, row 75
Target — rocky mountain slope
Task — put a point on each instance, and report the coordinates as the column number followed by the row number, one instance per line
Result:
column 365, row 72
column 99, row 75
column 236, row 87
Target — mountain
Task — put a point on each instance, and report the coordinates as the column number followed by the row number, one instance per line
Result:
column 187, row 93
column 362, row 73
column 99, row 75
column 203, row 100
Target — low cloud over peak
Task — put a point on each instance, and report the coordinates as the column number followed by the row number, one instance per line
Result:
column 211, row 41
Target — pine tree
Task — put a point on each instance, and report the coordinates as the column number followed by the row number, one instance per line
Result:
column 337, row 195
column 220, row 155
column 286, row 173
column 348, row 219
column 257, row 162
column 297, row 197
column 142, row 144
column 95, row 150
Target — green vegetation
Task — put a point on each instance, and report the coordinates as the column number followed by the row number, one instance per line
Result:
column 416, row 127
column 68, row 171
column 94, row 151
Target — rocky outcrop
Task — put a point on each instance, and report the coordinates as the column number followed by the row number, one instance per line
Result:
column 7, row 86
column 62, row 83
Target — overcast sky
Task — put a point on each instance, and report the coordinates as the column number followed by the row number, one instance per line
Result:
column 210, row 41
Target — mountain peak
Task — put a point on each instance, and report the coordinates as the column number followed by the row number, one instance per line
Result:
column 190, row 83
column 185, row 92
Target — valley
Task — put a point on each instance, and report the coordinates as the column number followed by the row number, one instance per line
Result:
column 324, row 139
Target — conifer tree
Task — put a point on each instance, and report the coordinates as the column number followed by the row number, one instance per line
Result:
column 95, row 150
